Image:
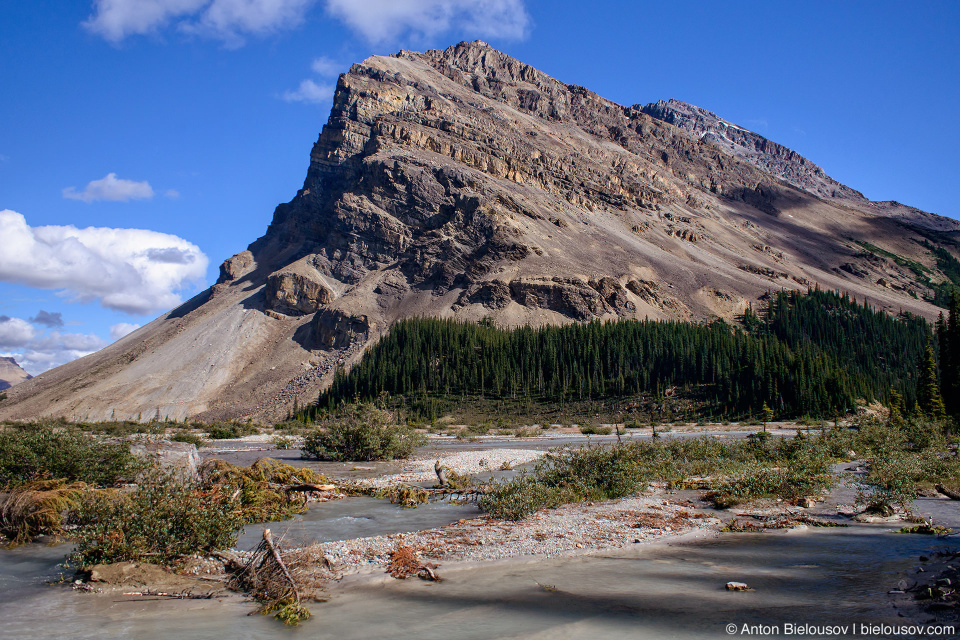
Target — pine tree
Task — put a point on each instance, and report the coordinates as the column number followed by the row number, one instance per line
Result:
column 948, row 335
column 928, row 391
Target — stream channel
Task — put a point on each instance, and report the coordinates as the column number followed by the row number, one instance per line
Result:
column 837, row 576
column 667, row 590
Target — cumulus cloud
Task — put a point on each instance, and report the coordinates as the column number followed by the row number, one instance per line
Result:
column 48, row 319
column 42, row 352
column 376, row 20
column 121, row 329
column 15, row 332
column 110, row 187
column 386, row 20
column 229, row 20
column 326, row 67
column 131, row 270
column 310, row 92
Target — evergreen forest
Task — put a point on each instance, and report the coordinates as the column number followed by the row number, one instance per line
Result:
column 815, row 354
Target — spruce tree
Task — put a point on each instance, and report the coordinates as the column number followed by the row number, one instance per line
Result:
column 928, row 390
column 948, row 334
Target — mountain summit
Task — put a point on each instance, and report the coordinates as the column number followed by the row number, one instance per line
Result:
column 464, row 183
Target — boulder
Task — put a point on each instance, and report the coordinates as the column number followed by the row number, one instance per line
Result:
column 181, row 457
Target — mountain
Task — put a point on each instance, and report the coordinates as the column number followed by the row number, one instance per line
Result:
column 11, row 373
column 464, row 183
column 784, row 163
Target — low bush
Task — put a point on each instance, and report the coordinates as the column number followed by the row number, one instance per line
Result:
column 361, row 433
column 259, row 489
column 36, row 451
column 592, row 429
column 189, row 437
column 164, row 519
column 229, row 430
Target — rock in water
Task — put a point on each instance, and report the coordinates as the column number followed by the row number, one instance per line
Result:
column 467, row 184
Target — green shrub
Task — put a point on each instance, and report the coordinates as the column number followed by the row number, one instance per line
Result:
column 225, row 430
column 188, row 437
column 528, row 432
column 283, row 442
column 35, row 451
column 164, row 519
column 592, row 429
column 361, row 432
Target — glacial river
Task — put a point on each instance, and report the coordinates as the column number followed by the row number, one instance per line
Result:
column 831, row 576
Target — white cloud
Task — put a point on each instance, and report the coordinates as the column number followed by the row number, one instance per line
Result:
column 173, row 194
column 311, row 92
column 326, row 67
column 15, row 332
column 131, row 270
column 385, row 20
column 121, row 329
column 38, row 352
column 229, row 20
column 110, row 187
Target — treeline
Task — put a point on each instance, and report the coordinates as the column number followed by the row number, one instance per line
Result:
column 805, row 354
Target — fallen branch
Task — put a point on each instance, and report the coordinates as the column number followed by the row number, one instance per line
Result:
column 950, row 494
column 268, row 538
column 309, row 488
column 184, row 595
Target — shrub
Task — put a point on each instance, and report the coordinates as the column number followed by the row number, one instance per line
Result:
column 36, row 451
column 283, row 442
column 188, row 437
column 592, row 429
column 361, row 433
column 164, row 519
column 225, row 430
column 36, row 508
column 260, row 488
column 528, row 432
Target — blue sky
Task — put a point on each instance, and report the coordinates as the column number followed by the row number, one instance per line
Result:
column 173, row 128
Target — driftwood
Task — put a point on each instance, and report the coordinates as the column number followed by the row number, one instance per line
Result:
column 441, row 474
column 184, row 595
column 307, row 488
column 953, row 495
column 268, row 539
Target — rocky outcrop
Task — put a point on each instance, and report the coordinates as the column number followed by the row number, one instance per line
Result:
column 339, row 330
column 235, row 267
column 296, row 293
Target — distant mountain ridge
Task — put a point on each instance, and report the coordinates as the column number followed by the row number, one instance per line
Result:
column 466, row 184
column 782, row 162
column 11, row 373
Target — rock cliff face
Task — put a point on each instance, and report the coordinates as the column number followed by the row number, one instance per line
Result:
column 464, row 183
column 11, row 373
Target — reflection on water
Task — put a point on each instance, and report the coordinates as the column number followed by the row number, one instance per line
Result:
column 820, row 576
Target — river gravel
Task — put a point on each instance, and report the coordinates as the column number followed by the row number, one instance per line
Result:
column 569, row 530
column 462, row 462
